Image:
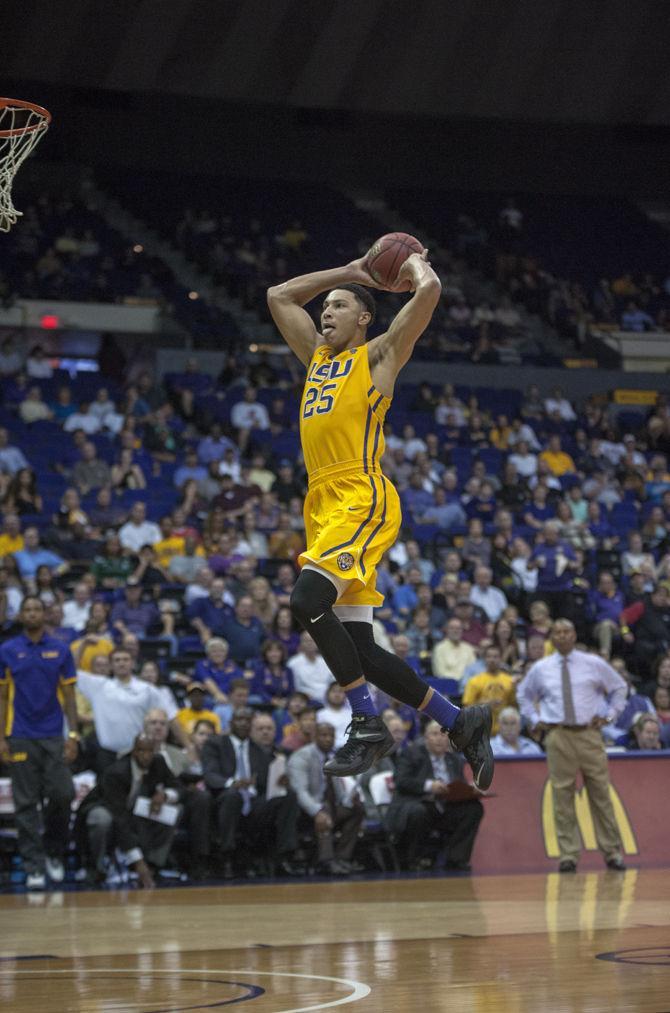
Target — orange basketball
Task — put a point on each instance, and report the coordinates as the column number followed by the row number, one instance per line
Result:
column 387, row 255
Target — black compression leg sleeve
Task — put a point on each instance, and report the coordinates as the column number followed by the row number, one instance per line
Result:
column 387, row 671
column 312, row 603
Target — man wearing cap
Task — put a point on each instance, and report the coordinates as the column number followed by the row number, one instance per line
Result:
column 37, row 679
column 189, row 716
column 473, row 628
column 570, row 695
column 132, row 615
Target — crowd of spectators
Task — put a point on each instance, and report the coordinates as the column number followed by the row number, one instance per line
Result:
column 491, row 264
column 66, row 250
column 513, row 246
column 166, row 559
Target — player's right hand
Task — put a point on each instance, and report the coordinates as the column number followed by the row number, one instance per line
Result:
column 361, row 276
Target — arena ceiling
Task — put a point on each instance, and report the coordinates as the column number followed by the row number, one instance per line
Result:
column 585, row 61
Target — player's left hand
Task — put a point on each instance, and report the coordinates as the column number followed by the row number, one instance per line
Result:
column 411, row 271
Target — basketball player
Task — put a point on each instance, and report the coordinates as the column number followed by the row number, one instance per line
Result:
column 352, row 511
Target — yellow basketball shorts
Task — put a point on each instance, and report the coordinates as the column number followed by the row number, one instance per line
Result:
column 351, row 520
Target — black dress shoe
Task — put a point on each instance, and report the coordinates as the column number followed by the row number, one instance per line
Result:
column 288, row 868
column 616, row 864
column 351, row 866
column 567, row 866
column 424, row 864
column 332, row 868
column 457, row 867
column 199, row 870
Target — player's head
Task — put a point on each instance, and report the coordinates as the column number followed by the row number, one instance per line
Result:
column 346, row 315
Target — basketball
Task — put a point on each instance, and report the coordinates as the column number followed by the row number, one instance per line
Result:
column 387, row 255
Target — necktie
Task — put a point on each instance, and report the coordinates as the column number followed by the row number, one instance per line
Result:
column 569, row 716
column 242, row 773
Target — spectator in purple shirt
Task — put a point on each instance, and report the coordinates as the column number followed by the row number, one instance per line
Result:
column 217, row 671
column 273, row 679
column 190, row 469
column 132, row 615
column 554, row 561
column 538, row 511
column 605, row 604
column 214, row 446
column 415, row 499
column 208, row 615
column 244, row 632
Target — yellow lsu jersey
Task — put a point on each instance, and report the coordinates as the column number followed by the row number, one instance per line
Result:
column 341, row 414
column 352, row 512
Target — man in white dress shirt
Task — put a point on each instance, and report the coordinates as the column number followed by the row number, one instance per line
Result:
column 509, row 741
column 336, row 712
column 571, row 695
column 311, row 674
column 119, row 706
column 76, row 610
column 138, row 531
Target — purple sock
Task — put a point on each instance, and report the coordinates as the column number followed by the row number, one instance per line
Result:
column 440, row 710
column 360, row 700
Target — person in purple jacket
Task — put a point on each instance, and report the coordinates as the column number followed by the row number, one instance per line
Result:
column 273, row 679
column 555, row 562
column 605, row 605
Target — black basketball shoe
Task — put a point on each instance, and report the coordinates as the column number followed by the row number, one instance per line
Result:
column 369, row 740
column 471, row 735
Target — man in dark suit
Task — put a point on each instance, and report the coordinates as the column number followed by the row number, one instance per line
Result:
column 106, row 814
column 429, row 786
column 236, row 772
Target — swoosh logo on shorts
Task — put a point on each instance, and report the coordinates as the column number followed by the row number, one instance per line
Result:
column 317, row 618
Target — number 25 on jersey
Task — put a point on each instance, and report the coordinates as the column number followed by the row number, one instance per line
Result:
column 319, row 400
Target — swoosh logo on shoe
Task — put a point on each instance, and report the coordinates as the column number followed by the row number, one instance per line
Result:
column 317, row 618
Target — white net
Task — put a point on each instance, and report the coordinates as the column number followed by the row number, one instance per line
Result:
column 21, row 127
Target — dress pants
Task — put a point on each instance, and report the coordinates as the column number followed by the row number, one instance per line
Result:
column 196, row 818
column 340, row 842
column 412, row 820
column 38, row 772
column 155, row 839
column 570, row 751
column 269, row 823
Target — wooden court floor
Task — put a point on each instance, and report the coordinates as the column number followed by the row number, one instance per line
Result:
column 581, row 944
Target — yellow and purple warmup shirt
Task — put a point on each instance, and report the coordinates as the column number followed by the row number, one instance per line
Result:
column 35, row 674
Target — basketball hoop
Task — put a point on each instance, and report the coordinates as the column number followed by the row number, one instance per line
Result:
column 22, row 125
